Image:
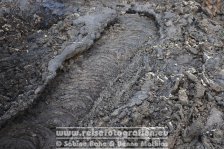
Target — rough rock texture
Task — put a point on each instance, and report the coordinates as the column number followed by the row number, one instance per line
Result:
column 120, row 63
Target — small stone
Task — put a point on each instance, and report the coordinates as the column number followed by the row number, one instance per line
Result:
column 16, row 49
column 216, row 87
column 115, row 113
column 185, row 3
column 190, row 19
column 7, row 27
column 180, row 10
column 200, row 90
column 169, row 23
column 106, row 118
column 218, row 134
column 170, row 126
column 215, row 118
column 76, row 15
column 183, row 98
column 210, row 97
column 38, row 90
column 193, row 50
column 123, row 12
column 34, row 135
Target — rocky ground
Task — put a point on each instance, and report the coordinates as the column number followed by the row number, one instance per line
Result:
column 111, row 63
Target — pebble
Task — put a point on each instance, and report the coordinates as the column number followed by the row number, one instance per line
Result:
column 38, row 90
column 183, row 98
column 169, row 23
column 170, row 126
